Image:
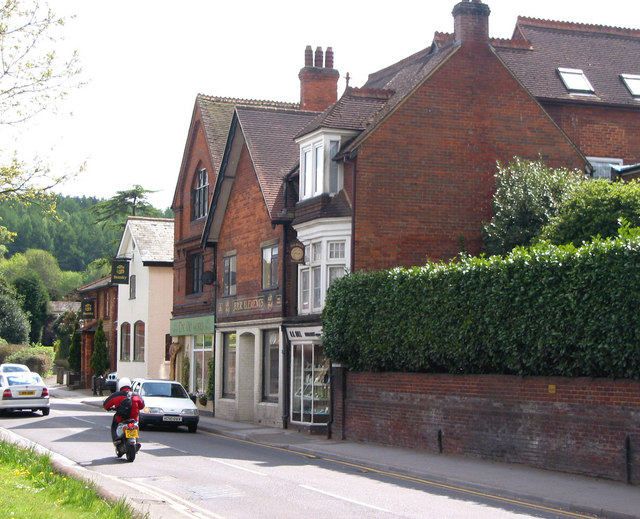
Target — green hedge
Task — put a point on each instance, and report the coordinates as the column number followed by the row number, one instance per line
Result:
column 547, row 311
column 37, row 358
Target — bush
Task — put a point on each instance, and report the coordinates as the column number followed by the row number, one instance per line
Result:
column 543, row 311
column 37, row 358
column 6, row 350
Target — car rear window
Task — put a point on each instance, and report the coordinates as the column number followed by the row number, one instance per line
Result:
column 22, row 378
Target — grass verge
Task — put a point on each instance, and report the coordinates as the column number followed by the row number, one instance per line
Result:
column 31, row 489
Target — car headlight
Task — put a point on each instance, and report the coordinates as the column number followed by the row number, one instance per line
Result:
column 153, row 410
column 190, row 412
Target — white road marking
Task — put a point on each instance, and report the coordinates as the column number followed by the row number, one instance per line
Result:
column 239, row 467
column 345, row 499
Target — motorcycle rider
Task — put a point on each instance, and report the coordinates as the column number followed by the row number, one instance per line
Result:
column 113, row 401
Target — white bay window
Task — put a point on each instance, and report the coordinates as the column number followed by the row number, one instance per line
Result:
column 319, row 173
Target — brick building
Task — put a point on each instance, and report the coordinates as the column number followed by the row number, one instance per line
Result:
column 99, row 301
column 391, row 174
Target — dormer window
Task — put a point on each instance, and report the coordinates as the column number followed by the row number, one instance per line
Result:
column 632, row 82
column 319, row 173
column 575, row 81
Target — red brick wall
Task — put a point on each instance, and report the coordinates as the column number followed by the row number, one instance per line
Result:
column 188, row 232
column 429, row 169
column 580, row 428
column 601, row 131
column 245, row 226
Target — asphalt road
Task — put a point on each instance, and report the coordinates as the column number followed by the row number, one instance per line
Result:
column 204, row 475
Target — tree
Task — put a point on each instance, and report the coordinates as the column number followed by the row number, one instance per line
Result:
column 35, row 299
column 527, row 195
column 14, row 324
column 75, row 354
column 115, row 210
column 594, row 208
column 63, row 328
column 33, row 78
column 99, row 361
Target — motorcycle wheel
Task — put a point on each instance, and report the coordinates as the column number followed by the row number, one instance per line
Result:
column 131, row 452
column 119, row 451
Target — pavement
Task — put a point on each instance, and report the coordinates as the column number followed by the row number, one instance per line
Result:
column 582, row 496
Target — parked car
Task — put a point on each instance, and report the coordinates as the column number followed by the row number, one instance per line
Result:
column 23, row 390
column 167, row 403
column 12, row 368
column 111, row 382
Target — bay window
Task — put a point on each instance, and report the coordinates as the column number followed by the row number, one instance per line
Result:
column 319, row 173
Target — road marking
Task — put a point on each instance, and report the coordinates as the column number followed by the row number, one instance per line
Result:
column 272, row 447
column 82, row 420
column 342, row 498
column 238, row 467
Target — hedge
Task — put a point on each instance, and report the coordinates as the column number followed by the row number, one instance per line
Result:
column 37, row 358
column 542, row 311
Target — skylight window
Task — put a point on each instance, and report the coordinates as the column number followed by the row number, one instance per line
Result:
column 575, row 80
column 632, row 82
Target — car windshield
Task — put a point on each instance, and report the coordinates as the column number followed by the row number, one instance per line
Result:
column 14, row 369
column 167, row 389
column 22, row 379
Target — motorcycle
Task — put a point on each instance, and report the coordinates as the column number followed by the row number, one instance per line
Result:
column 128, row 442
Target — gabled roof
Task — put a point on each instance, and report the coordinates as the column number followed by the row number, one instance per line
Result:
column 96, row 285
column 269, row 134
column 216, row 114
column 153, row 238
column 602, row 53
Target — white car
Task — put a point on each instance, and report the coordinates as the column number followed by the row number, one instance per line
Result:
column 22, row 390
column 166, row 403
column 12, row 368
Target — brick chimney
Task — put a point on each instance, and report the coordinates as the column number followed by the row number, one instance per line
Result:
column 471, row 22
column 318, row 83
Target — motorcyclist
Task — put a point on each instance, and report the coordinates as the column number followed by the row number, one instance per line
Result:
column 113, row 401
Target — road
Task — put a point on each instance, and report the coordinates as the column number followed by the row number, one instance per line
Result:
column 204, row 475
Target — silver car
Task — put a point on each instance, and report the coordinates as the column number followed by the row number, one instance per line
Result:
column 166, row 403
column 21, row 390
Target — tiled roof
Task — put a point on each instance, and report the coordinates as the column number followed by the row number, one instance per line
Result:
column 217, row 113
column 153, row 238
column 96, row 285
column 602, row 53
column 269, row 133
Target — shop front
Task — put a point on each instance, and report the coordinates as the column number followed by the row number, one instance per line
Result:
column 191, row 351
column 310, row 384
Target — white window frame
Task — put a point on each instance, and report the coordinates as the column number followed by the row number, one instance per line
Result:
column 319, row 173
column 575, row 80
column 632, row 82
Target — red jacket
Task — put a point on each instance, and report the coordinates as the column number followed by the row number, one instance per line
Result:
column 112, row 402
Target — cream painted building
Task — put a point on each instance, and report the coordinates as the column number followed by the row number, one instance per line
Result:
column 145, row 298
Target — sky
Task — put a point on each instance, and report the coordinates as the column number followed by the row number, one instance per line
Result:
column 144, row 62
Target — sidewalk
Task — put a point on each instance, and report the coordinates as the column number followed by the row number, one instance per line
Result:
column 572, row 493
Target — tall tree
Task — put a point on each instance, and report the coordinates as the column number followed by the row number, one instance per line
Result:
column 35, row 297
column 132, row 202
column 14, row 325
column 99, row 361
column 33, row 78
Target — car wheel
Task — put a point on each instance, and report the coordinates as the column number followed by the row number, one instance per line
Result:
column 192, row 428
column 45, row 411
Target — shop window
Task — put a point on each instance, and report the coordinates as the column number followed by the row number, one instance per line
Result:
column 125, row 342
column 270, row 365
column 201, row 353
column 310, row 396
column 229, row 365
column 138, row 341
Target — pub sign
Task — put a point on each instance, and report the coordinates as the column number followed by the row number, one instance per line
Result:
column 89, row 309
column 120, row 272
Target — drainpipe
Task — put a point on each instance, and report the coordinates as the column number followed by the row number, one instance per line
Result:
column 285, row 343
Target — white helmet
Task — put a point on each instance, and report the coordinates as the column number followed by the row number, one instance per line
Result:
column 124, row 382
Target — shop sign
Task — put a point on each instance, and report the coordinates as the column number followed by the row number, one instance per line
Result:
column 192, row 326
column 120, row 272
column 256, row 305
column 89, row 309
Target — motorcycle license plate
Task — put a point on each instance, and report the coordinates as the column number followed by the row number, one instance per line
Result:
column 131, row 433
column 27, row 393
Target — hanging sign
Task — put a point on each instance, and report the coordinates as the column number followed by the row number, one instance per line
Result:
column 89, row 309
column 120, row 271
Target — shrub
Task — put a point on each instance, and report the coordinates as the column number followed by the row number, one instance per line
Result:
column 545, row 311
column 38, row 358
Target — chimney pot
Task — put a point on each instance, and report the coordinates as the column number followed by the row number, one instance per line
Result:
column 319, row 56
column 328, row 58
column 471, row 22
column 308, row 56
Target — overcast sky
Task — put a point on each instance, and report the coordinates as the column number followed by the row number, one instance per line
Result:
column 146, row 60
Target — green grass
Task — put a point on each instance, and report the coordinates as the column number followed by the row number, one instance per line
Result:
column 31, row 489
